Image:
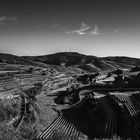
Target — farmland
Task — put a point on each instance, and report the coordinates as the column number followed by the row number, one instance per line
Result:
column 52, row 102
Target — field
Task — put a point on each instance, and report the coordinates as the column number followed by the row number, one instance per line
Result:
column 60, row 103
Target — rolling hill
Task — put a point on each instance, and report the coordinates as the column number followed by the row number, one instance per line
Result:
column 74, row 59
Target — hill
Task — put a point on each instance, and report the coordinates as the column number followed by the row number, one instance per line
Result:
column 87, row 62
column 74, row 59
column 13, row 59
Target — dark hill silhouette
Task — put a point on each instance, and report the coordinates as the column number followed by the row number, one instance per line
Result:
column 124, row 60
column 13, row 59
column 85, row 62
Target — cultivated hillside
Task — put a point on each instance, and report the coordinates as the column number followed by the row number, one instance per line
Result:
column 13, row 59
column 74, row 59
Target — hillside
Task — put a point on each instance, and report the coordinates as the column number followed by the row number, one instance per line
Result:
column 84, row 62
column 36, row 100
column 124, row 60
column 13, row 59
column 87, row 62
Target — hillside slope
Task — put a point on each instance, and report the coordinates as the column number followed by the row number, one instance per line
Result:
column 13, row 59
column 74, row 59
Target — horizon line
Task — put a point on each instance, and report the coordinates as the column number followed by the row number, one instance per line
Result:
column 68, row 52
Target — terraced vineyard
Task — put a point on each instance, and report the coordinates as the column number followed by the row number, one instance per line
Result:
column 9, row 83
column 120, row 117
column 67, row 109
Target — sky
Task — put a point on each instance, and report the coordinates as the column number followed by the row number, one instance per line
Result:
column 93, row 27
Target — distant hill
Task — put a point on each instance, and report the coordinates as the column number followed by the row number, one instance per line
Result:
column 84, row 62
column 124, row 60
column 13, row 59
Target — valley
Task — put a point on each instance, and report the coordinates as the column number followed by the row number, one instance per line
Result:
column 59, row 102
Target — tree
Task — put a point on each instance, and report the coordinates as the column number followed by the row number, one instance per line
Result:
column 118, row 72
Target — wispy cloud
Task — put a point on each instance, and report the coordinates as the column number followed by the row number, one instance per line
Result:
column 95, row 31
column 85, row 29
column 5, row 19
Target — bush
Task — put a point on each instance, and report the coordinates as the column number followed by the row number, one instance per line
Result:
column 7, row 132
column 9, row 109
column 28, row 132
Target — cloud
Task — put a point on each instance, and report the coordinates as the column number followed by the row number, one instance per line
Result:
column 95, row 31
column 85, row 29
column 5, row 19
